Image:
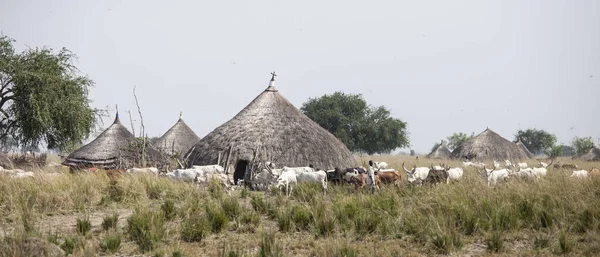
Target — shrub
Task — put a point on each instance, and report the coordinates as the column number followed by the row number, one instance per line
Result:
column 153, row 189
column 71, row 243
column 445, row 242
column 565, row 244
column 231, row 207
column 250, row 218
column 83, row 225
column 301, row 216
column 111, row 242
column 259, row 204
column 284, row 220
column 268, row 246
column 244, row 193
column 194, row 228
column 177, row 253
column 366, row 223
column 495, row 242
column 111, row 221
column 168, row 209
column 216, row 217
column 325, row 225
column 114, row 191
column 146, row 229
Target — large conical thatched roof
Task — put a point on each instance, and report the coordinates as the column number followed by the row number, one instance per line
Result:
column 592, row 155
column 278, row 132
column 489, row 146
column 178, row 139
column 112, row 149
column 524, row 148
column 440, row 152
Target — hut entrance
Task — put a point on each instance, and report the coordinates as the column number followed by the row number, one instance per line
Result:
column 240, row 170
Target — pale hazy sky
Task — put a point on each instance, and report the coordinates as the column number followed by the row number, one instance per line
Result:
column 442, row 66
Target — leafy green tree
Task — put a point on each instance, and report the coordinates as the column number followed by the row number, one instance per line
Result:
column 458, row 139
column 43, row 99
column 555, row 151
column 362, row 128
column 582, row 145
column 536, row 140
column 438, row 144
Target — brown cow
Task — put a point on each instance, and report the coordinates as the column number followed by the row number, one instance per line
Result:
column 595, row 173
column 360, row 180
column 389, row 177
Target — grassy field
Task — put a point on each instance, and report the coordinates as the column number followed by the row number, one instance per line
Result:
column 90, row 215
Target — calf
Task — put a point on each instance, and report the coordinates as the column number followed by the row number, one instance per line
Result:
column 287, row 179
column 185, row 175
column 435, row 177
column 26, row 174
column 522, row 165
column 222, row 179
column 298, row 169
column 381, row 165
column 210, row 169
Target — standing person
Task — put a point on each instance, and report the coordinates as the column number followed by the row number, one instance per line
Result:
column 371, row 176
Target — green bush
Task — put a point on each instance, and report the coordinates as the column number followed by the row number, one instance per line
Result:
column 445, row 242
column 194, row 228
column 541, row 242
column 146, row 228
column 72, row 243
column 565, row 244
column 268, row 246
column 111, row 221
column 495, row 242
column 366, row 223
column 302, row 217
column 216, row 217
column 231, row 207
column 259, row 204
column 111, row 242
column 284, row 220
column 83, row 225
column 168, row 209
column 114, row 191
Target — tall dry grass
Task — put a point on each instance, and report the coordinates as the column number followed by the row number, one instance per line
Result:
column 555, row 215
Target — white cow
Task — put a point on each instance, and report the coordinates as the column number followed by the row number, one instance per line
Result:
column 185, row 175
column 298, row 169
column 580, row 174
column 210, row 169
column 204, row 181
column 381, row 165
column 418, row 174
column 522, row 165
column 287, row 179
column 27, row 174
column 349, row 175
column 454, row 174
column 313, row 177
column 522, row 173
column 507, row 163
column 494, row 176
column 473, row 164
column 144, row 171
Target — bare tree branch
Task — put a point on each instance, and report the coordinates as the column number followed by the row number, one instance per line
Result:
column 142, row 132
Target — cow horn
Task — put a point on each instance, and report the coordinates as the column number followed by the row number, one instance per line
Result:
column 414, row 168
column 404, row 167
column 488, row 171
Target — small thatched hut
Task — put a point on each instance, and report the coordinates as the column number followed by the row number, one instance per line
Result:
column 524, row 148
column 115, row 148
column 592, row 155
column 271, row 129
column 178, row 140
column 489, row 146
column 440, row 152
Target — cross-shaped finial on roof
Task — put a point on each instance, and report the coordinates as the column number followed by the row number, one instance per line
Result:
column 273, row 76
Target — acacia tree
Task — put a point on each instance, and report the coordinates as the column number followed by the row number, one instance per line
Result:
column 43, row 99
column 536, row 140
column 362, row 128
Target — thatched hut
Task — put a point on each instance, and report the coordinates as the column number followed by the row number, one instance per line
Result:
column 271, row 129
column 592, row 155
column 178, row 140
column 489, row 146
column 441, row 151
column 115, row 148
column 524, row 148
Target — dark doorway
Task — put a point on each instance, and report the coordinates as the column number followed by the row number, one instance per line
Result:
column 240, row 170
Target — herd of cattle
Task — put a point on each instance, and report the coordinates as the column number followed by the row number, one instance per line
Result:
column 286, row 177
